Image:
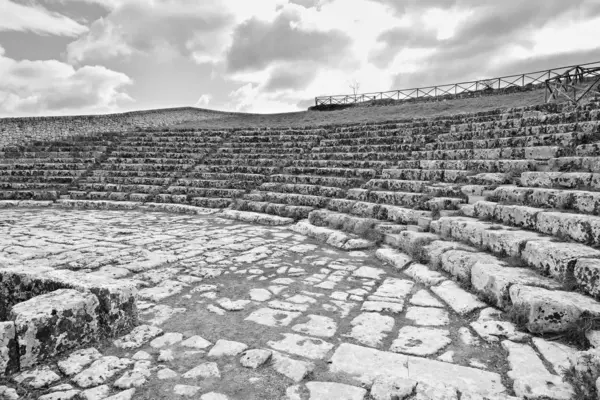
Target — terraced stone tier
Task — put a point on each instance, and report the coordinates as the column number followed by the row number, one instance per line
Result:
column 229, row 309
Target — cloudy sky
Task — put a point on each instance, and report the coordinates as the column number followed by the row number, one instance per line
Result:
column 97, row 56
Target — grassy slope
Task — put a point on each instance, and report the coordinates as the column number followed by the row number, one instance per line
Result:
column 370, row 114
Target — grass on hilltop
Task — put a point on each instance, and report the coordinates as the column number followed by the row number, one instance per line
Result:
column 370, row 114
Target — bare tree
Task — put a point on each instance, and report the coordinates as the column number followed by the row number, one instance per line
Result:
column 354, row 85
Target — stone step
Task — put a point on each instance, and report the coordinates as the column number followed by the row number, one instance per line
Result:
column 210, row 202
column 333, row 181
column 572, row 264
column 341, row 172
column 384, row 212
column 582, row 201
column 363, row 227
column 282, row 210
column 569, row 180
column 304, row 189
column 332, row 237
column 254, row 217
column 288, row 198
column 437, row 175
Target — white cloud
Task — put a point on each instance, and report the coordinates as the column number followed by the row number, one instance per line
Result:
column 23, row 18
column 51, row 87
column 203, row 100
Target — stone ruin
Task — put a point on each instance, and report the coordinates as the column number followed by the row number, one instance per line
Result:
column 454, row 257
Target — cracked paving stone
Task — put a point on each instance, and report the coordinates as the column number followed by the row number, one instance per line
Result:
column 420, row 341
column 138, row 336
column 390, row 388
column 317, row 326
column 124, row 395
column 424, row 299
column 270, row 317
column 75, row 363
column 301, row 299
column 303, row 346
column 226, row 348
column 97, row 393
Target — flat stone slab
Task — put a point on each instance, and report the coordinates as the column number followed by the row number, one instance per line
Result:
column 317, row 325
column 100, row 371
column 313, row 348
column 255, row 358
column 371, row 328
column 204, row 371
column 78, row 360
column 364, row 365
column 138, row 336
column 296, row 370
column 271, row 317
column 428, row 316
column 226, row 348
column 420, row 341
column 332, row 390
column 424, row 299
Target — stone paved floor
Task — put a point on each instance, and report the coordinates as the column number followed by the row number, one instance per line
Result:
column 236, row 311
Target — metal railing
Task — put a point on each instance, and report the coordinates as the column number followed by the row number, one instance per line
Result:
column 574, row 84
column 454, row 89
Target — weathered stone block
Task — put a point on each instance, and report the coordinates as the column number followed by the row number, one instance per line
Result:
column 52, row 323
column 587, row 275
column 460, row 262
column 8, row 348
column 555, row 258
column 551, row 310
column 494, row 279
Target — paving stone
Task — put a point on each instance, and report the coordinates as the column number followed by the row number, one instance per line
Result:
column 270, row 317
column 435, row 392
column 205, row 371
column 285, row 306
column 196, row 342
column 317, row 326
column 166, row 356
column 301, row 299
column 226, row 348
column 559, row 355
column 420, row 341
column 97, row 393
column 141, row 355
column 216, row 310
column 424, row 299
column 303, row 346
column 78, row 360
column 382, row 306
column 168, row 339
column 458, row 299
column 162, row 291
column 531, row 378
column 389, row 388
column 260, row 295
column 371, row 328
column 124, row 395
column 427, row 316
column 214, row 395
column 60, row 395
column 186, row 390
column 8, row 393
column 37, row 378
column 331, row 390
column 135, row 378
column 364, row 365
column 230, row 305
column 166, row 373
column 255, row 358
column 369, row 272
column 100, row 371
column 138, row 336
column 296, row 370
